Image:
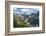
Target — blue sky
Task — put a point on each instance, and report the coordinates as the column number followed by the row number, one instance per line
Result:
column 25, row 10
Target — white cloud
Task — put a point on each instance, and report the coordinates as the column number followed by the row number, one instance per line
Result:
column 25, row 10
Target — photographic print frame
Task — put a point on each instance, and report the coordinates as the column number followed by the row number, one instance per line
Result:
column 7, row 17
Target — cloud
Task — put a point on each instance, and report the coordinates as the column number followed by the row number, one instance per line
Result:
column 25, row 10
